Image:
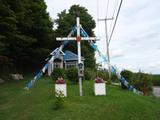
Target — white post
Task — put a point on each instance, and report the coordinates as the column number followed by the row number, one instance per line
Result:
column 49, row 68
column 107, row 45
column 78, row 42
column 79, row 55
column 107, row 53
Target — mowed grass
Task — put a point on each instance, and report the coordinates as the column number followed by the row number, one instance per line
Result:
column 38, row 103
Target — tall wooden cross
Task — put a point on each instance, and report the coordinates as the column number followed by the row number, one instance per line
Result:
column 78, row 39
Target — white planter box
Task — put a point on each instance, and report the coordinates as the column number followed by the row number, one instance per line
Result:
column 61, row 88
column 99, row 88
column 156, row 91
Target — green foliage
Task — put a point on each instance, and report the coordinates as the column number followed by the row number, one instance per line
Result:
column 156, row 80
column 27, row 37
column 26, row 32
column 89, row 74
column 58, row 72
column 72, row 75
column 103, row 74
column 127, row 75
column 114, row 78
column 59, row 102
column 143, row 81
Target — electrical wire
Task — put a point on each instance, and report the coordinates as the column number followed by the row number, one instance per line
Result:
column 98, row 18
column 114, row 11
column 115, row 21
column 107, row 9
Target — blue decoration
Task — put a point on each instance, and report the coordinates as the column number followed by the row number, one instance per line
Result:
column 56, row 53
column 113, row 70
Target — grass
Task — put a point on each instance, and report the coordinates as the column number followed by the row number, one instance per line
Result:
column 38, row 104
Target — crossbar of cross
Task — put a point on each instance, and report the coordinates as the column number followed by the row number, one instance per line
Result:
column 78, row 38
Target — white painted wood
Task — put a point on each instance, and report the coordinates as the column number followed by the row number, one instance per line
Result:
column 74, row 38
column 61, row 88
column 99, row 88
column 65, row 38
column 49, row 68
column 156, row 91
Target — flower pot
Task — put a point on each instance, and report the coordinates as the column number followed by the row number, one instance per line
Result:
column 99, row 88
column 61, row 90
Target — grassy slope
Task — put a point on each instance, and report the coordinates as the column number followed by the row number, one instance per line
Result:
column 37, row 104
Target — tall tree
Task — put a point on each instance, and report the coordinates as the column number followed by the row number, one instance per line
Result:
column 7, row 25
column 26, row 32
column 65, row 23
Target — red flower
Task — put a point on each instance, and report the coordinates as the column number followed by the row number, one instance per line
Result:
column 99, row 80
column 60, row 81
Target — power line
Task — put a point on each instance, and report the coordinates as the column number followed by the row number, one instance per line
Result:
column 107, row 9
column 98, row 17
column 114, row 10
column 115, row 20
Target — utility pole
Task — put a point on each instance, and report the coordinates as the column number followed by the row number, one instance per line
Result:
column 107, row 44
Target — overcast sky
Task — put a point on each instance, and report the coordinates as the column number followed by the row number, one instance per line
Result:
column 136, row 41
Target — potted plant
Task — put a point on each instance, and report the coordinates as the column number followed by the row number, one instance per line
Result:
column 60, row 88
column 99, row 86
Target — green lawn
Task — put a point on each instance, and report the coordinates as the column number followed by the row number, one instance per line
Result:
column 38, row 104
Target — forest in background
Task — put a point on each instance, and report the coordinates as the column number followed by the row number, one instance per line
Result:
column 27, row 35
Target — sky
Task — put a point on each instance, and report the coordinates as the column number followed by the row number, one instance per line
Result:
column 135, row 44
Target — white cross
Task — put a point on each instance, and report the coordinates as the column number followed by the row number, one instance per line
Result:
column 78, row 39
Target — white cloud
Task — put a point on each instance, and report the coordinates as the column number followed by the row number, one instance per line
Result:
column 155, row 65
column 117, row 53
column 137, row 31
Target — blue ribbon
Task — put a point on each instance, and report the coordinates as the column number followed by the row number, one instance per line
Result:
column 84, row 33
column 113, row 70
column 46, row 66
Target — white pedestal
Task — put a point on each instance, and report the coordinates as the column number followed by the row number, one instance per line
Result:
column 156, row 91
column 61, row 88
column 99, row 89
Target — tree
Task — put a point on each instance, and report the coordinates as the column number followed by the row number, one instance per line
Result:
column 127, row 75
column 143, row 82
column 36, row 25
column 8, row 30
column 7, row 26
column 26, row 32
column 65, row 23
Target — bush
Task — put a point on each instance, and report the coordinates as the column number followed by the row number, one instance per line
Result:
column 127, row 75
column 58, row 72
column 59, row 102
column 72, row 75
column 143, row 82
column 103, row 74
column 114, row 78
column 156, row 80
column 89, row 74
